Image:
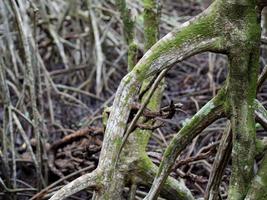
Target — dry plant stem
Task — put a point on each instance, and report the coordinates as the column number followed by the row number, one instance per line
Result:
column 7, row 121
column 13, row 151
column 15, row 190
column 261, row 114
column 262, row 77
column 26, row 140
column 98, row 47
column 8, row 130
column 92, row 179
column 11, row 45
column 29, row 74
column 212, row 111
column 222, row 157
column 5, row 96
column 39, row 91
column 51, row 85
column 54, row 35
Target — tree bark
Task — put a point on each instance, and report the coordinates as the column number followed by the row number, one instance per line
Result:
column 228, row 26
column 240, row 27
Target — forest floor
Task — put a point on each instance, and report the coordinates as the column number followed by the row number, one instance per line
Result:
column 73, row 101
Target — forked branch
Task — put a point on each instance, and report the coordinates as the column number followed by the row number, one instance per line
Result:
column 193, row 37
column 213, row 110
column 176, row 46
column 172, row 189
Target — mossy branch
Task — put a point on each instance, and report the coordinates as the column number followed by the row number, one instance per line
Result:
column 172, row 189
column 213, row 110
column 188, row 40
column 128, row 22
column 151, row 22
column 258, row 187
column 242, row 92
column 174, row 47
column 257, row 190
column 129, row 32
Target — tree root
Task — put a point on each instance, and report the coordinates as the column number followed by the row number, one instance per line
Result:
column 92, row 179
column 212, row 111
column 172, row 188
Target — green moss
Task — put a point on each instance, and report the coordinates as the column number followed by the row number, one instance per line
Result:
column 128, row 23
column 145, row 163
column 118, row 141
column 151, row 23
column 142, row 138
column 258, row 188
column 132, row 55
column 129, row 32
column 202, row 28
column 190, row 130
column 242, row 84
column 260, row 146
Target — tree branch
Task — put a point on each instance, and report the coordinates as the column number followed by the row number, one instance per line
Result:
column 172, row 189
column 192, row 38
column 222, row 157
column 129, row 32
column 261, row 114
column 258, row 187
column 92, row 179
column 213, row 110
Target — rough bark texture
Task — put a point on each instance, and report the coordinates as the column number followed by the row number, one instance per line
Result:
column 231, row 27
column 243, row 71
column 258, row 189
column 208, row 114
column 242, row 46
